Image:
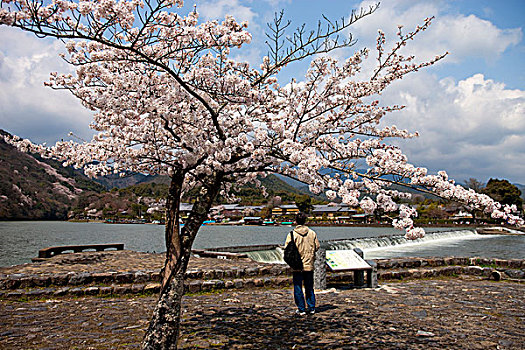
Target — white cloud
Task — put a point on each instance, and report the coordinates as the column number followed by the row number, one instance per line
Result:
column 471, row 128
column 470, row 36
column 464, row 36
column 218, row 9
column 27, row 107
column 278, row 3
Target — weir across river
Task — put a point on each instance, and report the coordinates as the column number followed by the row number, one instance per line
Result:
column 273, row 253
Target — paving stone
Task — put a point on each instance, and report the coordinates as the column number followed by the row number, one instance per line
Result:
column 474, row 270
column 252, row 271
column 238, row 283
column 61, row 291
column 92, row 290
column 80, row 278
column 137, row 288
column 141, row 277
column 422, row 314
column 76, row 291
column 152, row 288
column 105, row 290
column 103, row 277
column 194, row 286
column 209, row 285
column 122, row 289
column 126, row 277
column 59, row 279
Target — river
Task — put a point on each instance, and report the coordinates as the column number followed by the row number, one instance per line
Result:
column 21, row 240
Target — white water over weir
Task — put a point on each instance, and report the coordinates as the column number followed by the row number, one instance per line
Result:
column 370, row 244
column 273, row 256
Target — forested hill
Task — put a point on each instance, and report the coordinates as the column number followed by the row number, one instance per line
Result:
column 119, row 182
column 250, row 194
column 33, row 188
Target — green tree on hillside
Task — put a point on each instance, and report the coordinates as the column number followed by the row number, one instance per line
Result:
column 304, row 203
column 504, row 192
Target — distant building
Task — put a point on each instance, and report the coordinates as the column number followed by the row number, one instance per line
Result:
column 235, row 210
column 285, row 210
column 333, row 210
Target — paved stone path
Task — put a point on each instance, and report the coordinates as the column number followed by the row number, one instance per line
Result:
column 447, row 313
column 118, row 261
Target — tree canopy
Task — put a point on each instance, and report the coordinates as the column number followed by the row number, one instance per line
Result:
column 169, row 98
column 304, row 203
column 504, row 192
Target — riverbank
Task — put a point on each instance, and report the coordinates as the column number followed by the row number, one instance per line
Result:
column 104, row 300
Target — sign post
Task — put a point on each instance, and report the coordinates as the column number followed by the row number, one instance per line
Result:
column 320, row 269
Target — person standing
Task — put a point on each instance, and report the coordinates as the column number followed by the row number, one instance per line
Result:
column 307, row 244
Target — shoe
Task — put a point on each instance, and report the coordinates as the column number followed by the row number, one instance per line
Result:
column 300, row 313
column 311, row 312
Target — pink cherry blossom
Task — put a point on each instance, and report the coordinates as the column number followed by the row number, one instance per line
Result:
column 168, row 95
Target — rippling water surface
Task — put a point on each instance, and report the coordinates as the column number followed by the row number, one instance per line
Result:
column 20, row 241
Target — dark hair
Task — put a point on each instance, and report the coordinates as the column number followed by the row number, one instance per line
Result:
column 300, row 218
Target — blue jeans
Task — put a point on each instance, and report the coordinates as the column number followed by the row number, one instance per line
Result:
column 308, row 278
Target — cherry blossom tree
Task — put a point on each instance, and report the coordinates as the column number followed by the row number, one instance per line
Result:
column 170, row 99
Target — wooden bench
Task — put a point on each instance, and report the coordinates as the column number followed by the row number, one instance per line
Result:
column 52, row 251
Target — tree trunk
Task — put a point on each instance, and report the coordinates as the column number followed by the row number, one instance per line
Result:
column 164, row 328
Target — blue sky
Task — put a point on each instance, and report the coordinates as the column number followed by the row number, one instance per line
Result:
column 469, row 108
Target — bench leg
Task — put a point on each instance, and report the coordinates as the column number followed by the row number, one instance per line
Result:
column 371, row 275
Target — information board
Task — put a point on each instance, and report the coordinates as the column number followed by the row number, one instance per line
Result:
column 339, row 260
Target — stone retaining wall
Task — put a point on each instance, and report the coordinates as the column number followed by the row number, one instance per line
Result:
column 448, row 261
column 399, row 274
column 20, row 280
column 203, row 280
